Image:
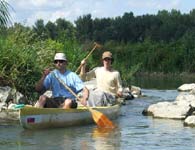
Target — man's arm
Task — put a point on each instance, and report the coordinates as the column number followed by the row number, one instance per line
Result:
column 39, row 86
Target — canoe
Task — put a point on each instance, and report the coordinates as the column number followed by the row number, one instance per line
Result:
column 40, row 118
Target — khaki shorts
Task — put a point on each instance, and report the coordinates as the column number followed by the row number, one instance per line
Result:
column 58, row 102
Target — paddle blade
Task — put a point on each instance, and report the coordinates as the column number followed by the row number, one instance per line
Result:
column 101, row 120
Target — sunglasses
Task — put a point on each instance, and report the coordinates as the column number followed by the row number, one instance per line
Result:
column 60, row 61
column 107, row 59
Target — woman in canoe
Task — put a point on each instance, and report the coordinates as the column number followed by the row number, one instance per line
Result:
column 109, row 86
column 61, row 97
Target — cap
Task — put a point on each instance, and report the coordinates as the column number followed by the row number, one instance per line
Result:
column 107, row 54
column 60, row 56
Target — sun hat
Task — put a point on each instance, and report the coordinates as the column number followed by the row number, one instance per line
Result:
column 60, row 56
column 107, row 54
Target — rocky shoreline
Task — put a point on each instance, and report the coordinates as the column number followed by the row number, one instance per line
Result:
column 178, row 109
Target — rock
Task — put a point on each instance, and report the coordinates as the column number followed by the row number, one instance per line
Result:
column 186, row 87
column 167, row 110
column 135, row 91
column 9, row 115
column 182, row 108
column 172, row 110
column 8, row 99
column 8, row 94
column 5, row 94
column 190, row 121
column 192, row 91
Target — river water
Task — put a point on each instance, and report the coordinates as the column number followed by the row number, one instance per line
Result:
column 134, row 131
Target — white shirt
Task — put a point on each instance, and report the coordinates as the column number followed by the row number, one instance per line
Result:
column 107, row 81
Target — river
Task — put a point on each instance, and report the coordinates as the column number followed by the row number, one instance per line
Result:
column 134, row 131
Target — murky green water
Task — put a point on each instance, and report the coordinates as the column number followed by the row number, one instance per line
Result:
column 134, row 132
column 162, row 82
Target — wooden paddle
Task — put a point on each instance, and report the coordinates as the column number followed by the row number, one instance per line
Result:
column 99, row 118
column 95, row 46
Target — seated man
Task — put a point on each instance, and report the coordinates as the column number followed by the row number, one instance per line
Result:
column 108, row 80
column 61, row 97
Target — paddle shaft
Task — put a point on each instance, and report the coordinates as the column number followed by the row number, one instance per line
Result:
column 96, row 45
column 69, row 89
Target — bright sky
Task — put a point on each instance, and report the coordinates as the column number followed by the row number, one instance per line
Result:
column 28, row 11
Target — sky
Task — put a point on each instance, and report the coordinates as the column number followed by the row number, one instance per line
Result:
column 27, row 12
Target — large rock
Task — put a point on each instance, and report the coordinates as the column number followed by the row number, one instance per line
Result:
column 172, row 110
column 8, row 94
column 182, row 108
column 186, row 87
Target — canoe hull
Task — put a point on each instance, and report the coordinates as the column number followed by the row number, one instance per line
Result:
column 39, row 118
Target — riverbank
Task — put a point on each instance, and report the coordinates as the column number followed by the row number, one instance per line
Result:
column 162, row 74
column 158, row 80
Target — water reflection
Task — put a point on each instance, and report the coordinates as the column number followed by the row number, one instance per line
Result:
column 106, row 138
column 83, row 138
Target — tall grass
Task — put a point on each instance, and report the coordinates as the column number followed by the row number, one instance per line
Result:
column 22, row 64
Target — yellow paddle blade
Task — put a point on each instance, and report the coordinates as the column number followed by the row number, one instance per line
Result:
column 101, row 120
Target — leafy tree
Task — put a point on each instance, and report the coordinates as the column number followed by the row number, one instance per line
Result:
column 51, row 30
column 84, row 26
column 40, row 30
column 4, row 13
column 102, row 29
column 65, row 30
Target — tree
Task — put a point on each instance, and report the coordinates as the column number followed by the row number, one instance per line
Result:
column 102, row 29
column 4, row 13
column 40, row 29
column 65, row 30
column 84, row 26
column 51, row 30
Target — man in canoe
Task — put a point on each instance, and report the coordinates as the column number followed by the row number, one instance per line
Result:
column 61, row 96
column 108, row 81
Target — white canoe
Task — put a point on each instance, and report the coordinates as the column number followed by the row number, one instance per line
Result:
column 40, row 118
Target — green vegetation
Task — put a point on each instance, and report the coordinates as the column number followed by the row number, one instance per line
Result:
column 150, row 43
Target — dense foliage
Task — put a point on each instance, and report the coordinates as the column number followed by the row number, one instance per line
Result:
column 148, row 43
column 24, row 56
